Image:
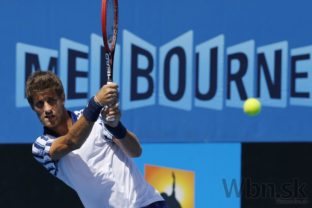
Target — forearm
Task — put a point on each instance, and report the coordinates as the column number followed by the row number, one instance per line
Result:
column 130, row 145
column 80, row 131
column 75, row 137
column 77, row 133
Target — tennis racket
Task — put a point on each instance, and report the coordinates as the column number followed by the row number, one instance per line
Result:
column 109, row 34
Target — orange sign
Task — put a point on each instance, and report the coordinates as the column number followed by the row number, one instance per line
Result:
column 176, row 186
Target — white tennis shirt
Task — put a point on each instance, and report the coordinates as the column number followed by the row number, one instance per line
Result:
column 99, row 171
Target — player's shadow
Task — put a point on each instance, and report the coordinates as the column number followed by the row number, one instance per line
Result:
column 171, row 200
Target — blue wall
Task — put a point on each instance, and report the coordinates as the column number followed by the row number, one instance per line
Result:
column 216, row 167
column 200, row 62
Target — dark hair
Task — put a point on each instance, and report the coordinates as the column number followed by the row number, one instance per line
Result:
column 41, row 81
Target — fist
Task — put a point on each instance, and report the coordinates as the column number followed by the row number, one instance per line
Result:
column 108, row 94
column 111, row 115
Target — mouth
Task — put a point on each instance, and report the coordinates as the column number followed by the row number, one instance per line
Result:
column 50, row 117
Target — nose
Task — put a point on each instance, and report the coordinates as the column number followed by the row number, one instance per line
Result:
column 47, row 108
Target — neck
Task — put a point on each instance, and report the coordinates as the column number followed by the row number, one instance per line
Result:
column 65, row 124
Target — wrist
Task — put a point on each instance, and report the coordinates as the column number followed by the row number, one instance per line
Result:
column 119, row 132
column 92, row 111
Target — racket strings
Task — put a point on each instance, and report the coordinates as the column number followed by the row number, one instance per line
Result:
column 110, row 23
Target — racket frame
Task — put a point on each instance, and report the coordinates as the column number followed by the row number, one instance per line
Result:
column 109, row 52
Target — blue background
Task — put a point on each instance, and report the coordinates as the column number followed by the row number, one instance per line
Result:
column 43, row 23
column 211, row 164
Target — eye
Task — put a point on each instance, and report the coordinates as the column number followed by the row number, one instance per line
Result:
column 39, row 104
column 52, row 101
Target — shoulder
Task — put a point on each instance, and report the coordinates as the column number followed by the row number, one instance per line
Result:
column 40, row 151
column 41, row 144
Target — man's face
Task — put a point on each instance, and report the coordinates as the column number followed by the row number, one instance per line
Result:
column 49, row 108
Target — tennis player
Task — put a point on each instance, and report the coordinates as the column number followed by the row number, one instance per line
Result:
column 89, row 153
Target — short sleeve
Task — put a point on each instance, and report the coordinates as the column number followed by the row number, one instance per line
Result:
column 40, row 151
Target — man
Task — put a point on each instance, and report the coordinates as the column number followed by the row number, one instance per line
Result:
column 90, row 153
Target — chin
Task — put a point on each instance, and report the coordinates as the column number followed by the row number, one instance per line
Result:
column 49, row 124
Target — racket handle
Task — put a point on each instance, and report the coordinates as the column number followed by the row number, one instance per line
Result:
column 109, row 118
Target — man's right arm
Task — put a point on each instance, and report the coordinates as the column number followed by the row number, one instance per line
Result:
column 78, row 133
column 75, row 137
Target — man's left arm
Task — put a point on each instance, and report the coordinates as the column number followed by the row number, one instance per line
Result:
column 124, row 138
column 129, row 144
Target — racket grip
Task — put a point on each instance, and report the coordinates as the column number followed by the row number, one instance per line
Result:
column 109, row 118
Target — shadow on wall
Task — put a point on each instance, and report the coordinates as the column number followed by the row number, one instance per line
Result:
column 171, row 199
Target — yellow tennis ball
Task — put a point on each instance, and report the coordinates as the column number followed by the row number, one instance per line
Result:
column 252, row 106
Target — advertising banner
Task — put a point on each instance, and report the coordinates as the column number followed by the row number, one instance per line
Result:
column 184, row 68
